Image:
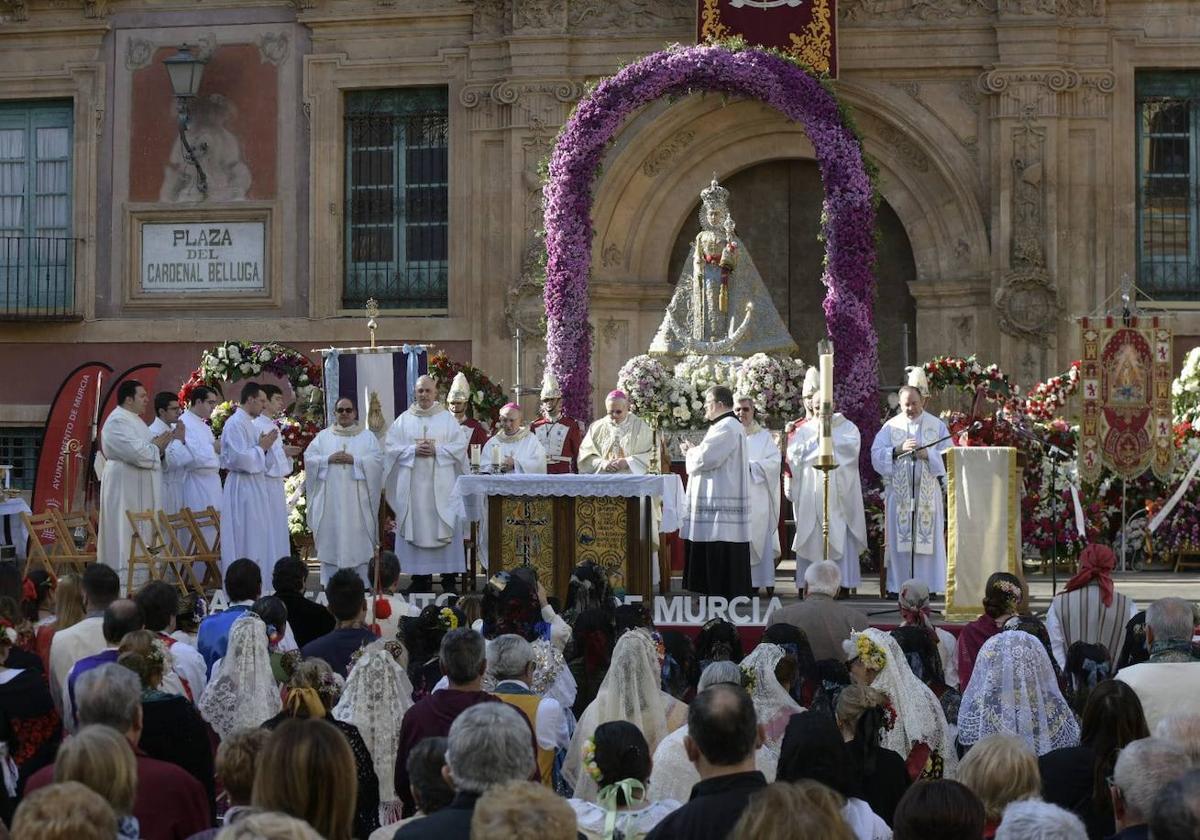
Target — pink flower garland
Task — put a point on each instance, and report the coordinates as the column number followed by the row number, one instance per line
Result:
column 848, row 214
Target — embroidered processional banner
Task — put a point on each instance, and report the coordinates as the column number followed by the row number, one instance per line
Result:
column 380, row 380
column 1125, row 381
column 805, row 29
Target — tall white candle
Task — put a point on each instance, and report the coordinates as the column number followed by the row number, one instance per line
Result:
column 826, row 371
column 496, row 456
column 96, row 413
column 475, row 450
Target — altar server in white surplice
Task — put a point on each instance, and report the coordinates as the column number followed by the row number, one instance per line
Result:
column 618, row 443
column 343, row 479
column 847, row 517
column 202, row 479
column 246, row 504
column 132, row 478
column 177, row 458
column 280, row 462
column 766, row 463
column 716, row 524
column 925, row 550
column 513, row 449
column 424, row 453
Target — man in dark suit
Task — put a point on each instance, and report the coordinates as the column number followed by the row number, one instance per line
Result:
column 723, row 735
column 308, row 619
column 488, row 745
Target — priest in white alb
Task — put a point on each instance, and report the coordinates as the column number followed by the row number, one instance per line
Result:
column 132, row 477
column 716, row 523
column 907, row 454
column 177, row 457
column 766, row 462
column 424, row 453
column 847, row 516
column 280, row 463
column 617, row 443
column 343, row 479
column 246, row 504
column 513, row 449
column 202, row 478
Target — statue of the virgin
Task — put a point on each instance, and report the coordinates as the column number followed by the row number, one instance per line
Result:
column 720, row 306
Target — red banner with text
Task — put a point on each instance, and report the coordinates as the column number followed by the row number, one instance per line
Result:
column 69, row 429
column 805, row 29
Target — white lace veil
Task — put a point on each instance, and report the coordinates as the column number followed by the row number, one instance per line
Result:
column 244, row 694
column 631, row 691
column 375, row 700
column 771, row 699
column 1014, row 691
column 919, row 715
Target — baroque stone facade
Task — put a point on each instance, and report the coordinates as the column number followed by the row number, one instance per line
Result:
column 1003, row 131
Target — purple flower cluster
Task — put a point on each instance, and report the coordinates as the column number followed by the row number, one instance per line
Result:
column 848, row 216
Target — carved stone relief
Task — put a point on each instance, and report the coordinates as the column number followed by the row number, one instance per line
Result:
column 540, row 15
column 666, row 152
column 1049, row 91
column 611, row 256
column 912, row 154
column 490, row 17
column 273, row 47
column 603, row 15
column 1027, row 299
column 138, row 53
column 95, row 8
column 17, row 10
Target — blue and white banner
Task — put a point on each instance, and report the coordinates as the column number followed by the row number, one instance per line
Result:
column 387, row 374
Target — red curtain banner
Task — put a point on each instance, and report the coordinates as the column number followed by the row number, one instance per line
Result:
column 805, row 29
column 68, row 425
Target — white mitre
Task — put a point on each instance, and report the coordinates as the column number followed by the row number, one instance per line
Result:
column 812, row 381
column 550, row 389
column 915, row 377
column 460, row 389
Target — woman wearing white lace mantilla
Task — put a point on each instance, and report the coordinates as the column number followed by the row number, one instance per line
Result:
column 631, row 691
column 773, row 703
column 377, row 695
column 1014, row 691
column 242, row 692
column 919, row 732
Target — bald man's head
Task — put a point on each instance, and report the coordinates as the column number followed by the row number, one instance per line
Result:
column 121, row 617
column 426, row 391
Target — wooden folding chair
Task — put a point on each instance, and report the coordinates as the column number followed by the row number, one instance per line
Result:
column 79, row 524
column 146, row 547
column 180, row 554
column 206, row 551
column 61, row 555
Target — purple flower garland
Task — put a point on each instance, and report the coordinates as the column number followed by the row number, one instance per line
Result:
column 848, row 212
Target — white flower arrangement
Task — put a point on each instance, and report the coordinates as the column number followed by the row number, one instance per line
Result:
column 293, row 488
column 774, row 384
column 1185, row 389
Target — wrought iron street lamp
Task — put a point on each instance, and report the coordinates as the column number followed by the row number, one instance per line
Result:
column 185, row 71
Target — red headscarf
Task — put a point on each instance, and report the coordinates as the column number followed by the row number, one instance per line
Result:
column 1097, row 561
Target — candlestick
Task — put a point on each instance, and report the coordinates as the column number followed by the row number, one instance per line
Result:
column 476, row 450
column 517, row 365
column 495, row 456
column 825, row 351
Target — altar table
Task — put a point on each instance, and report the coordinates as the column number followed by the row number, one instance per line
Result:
column 555, row 522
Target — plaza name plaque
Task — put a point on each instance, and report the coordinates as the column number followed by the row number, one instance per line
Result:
column 216, row 257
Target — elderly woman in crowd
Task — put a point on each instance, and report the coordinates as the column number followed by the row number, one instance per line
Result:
column 1013, row 691
column 915, row 612
column 1000, row 769
column 920, row 731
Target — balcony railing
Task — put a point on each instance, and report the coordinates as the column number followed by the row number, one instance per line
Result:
column 37, row 278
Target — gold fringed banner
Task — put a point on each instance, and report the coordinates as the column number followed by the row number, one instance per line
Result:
column 983, row 523
column 1125, row 382
column 805, row 29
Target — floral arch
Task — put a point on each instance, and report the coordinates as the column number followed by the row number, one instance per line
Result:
column 848, row 211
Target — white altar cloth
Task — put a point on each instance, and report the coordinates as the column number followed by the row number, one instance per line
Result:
column 471, row 491
column 14, row 525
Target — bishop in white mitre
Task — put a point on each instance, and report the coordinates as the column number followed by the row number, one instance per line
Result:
column 766, row 464
column 177, row 456
column 716, row 524
column 847, row 516
column 424, row 453
column 915, row 508
column 618, row 443
column 343, row 479
column 513, row 449
column 202, row 478
column 246, row 504
column 132, row 477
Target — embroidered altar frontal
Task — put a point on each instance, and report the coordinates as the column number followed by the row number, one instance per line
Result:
column 555, row 534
